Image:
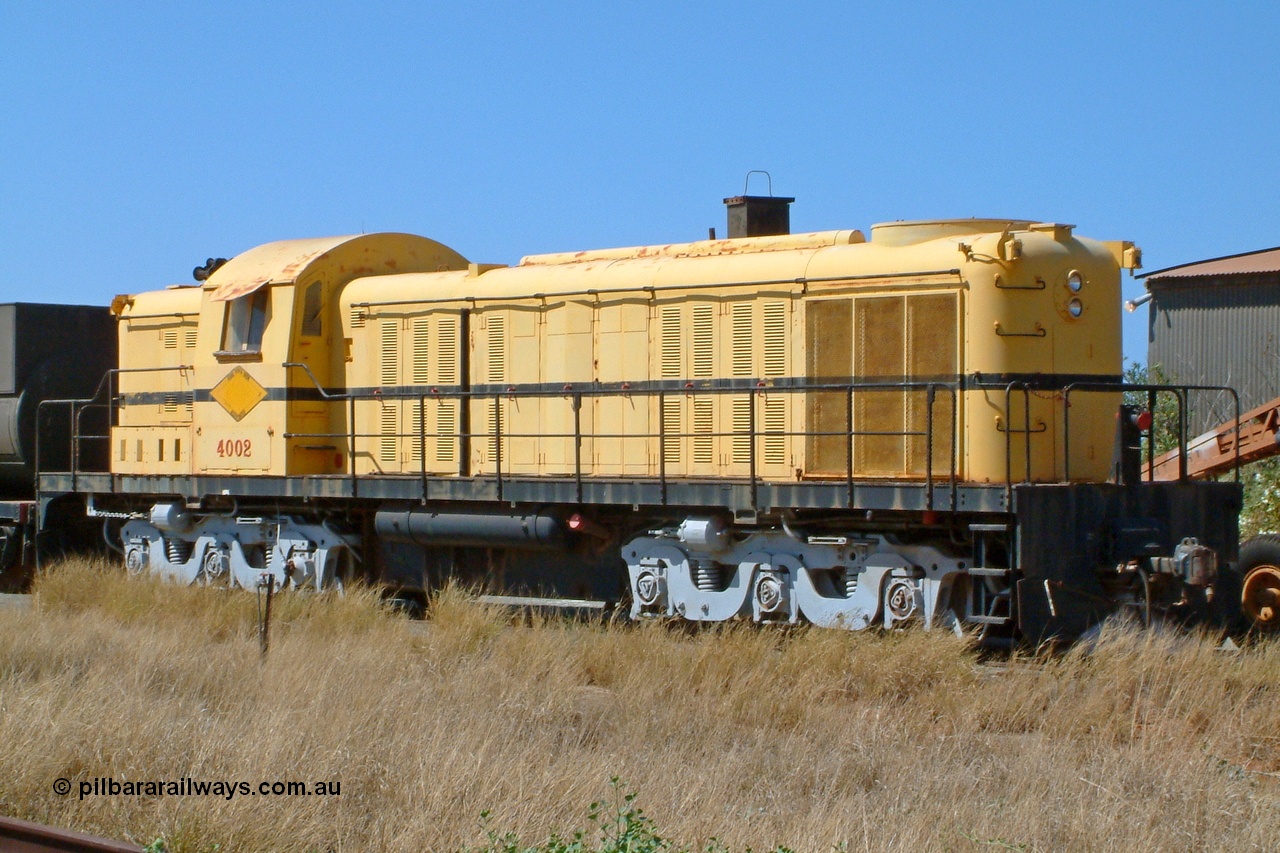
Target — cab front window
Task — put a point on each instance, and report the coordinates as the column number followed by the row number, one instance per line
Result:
column 245, row 322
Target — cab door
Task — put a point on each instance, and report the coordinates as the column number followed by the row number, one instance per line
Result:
column 312, row 446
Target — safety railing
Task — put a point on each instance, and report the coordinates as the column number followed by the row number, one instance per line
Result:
column 500, row 434
column 1181, row 396
column 105, row 399
column 924, row 427
column 1018, row 395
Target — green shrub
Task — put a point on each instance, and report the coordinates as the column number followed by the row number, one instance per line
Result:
column 619, row 826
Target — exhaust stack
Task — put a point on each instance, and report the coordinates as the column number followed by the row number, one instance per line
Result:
column 758, row 215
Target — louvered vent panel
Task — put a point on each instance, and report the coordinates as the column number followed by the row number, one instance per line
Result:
column 357, row 318
column 493, row 422
column 189, row 339
column 775, row 339
column 671, row 429
column 703, row 424
column 389, row 349
column 388, row 425
column 171, row 403
column 741, row 430
column 497, row 348
column 421, row 350
column 447, row 351
column 416, row 439
column 670, row 367
column 703, row 341
column 775, row 423
column 169, row 337
column 446, row 427
column 742, row 343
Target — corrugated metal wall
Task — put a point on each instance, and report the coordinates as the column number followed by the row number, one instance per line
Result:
column 1218, row 331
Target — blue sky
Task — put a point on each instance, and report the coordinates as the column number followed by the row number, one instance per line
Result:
column 138, row 139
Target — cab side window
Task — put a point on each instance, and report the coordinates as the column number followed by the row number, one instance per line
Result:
column 246, row 320
column 312, row 308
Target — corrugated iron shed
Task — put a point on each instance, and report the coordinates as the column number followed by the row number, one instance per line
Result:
column 1217, row 322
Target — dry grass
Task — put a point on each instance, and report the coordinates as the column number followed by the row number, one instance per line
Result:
column 809, row 739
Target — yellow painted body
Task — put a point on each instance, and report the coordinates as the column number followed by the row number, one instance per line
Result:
column 245, row 411
column 408, row 329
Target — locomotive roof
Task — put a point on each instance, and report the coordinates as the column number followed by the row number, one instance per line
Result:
column 922, row 249
column 284, row 261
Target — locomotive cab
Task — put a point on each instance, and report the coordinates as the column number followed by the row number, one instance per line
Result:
column 244, row 375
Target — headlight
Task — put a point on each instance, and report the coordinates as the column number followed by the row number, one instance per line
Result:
column 1075, row 281
column 1075, row 307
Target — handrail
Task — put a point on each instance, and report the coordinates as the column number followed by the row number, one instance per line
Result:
column 753, row 434
column 662, row 393
column 576, row 397
column 1009, row 431
column 1179, row 393
column 75, row 437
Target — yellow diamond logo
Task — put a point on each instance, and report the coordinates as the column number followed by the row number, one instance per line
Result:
column 238, row 393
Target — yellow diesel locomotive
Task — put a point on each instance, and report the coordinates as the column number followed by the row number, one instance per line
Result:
column 850, row 431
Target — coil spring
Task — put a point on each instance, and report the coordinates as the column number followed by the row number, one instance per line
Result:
column 178, row 550
column 708, row 575
column 851, row 582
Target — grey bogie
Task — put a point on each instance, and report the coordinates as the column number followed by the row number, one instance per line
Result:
column 700, row 572
column 237, row 550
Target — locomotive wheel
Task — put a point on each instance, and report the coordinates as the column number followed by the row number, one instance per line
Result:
column 1260, row 590
column 1143, row 597
column 212, row 571
column 340, row 574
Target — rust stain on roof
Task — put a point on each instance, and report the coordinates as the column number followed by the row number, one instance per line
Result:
column 279, row 262
column 702, row 248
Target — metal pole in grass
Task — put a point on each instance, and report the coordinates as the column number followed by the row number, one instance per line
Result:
column 267, row 581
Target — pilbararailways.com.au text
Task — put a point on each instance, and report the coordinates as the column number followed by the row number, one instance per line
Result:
column 106, row 786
